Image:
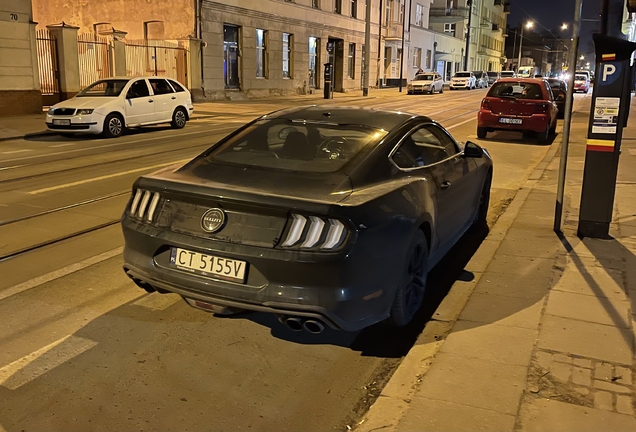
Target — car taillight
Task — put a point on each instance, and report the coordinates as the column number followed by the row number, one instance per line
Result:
column 144, row 205
column 541, row 108
column 485, row 104
column 314, row 233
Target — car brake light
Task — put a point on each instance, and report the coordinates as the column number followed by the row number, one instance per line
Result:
column 314, row 233
column 485, row 104
column 144, row 204
column 541, row 108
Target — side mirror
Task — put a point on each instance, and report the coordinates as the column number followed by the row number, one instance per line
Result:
column 472, row 150
column 560, row 95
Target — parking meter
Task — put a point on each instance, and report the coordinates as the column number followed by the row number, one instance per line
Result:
column 328, row 72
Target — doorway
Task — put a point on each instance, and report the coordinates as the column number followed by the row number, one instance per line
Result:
column 336, row 58
column 230, row 56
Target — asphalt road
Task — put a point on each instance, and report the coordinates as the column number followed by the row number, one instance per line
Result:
column 82, row 348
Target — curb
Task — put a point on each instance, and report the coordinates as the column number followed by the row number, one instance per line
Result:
column 393, row 402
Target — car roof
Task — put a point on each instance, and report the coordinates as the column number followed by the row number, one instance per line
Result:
column 134, row 77
column 369, row 117
column 520, row 80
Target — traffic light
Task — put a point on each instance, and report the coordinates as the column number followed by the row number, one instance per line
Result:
column 631, row 6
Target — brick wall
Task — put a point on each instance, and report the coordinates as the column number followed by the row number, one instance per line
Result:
column 17, row 102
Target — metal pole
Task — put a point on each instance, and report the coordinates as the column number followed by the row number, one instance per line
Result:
column 514, row 45
column 558, row 212
column 367, row 50
column 520, row 45
column 403, row 32
column 469, row 3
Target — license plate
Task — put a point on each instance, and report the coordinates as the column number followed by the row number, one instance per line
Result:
column 510, row 121
column 208, row 265
column 62, row 122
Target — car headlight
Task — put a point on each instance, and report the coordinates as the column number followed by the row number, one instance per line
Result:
column 84, row 111
column 50, row 111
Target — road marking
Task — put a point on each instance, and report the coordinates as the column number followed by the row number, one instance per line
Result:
column 461, row 123
column 36, row 364
column 157, row 302
column 40, row 280
column 8, row 168
column 17, row 151
column 104, row 177
column 66, row 145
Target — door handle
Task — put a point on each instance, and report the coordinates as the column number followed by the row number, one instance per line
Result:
column 173, row 97
column 150, row 100
column 445, row 185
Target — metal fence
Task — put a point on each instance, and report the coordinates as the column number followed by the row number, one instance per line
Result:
column 94, row 54
column 158, row 58
column 48, row 67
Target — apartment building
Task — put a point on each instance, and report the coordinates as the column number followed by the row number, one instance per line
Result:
column 486, row 20
column 19, row 83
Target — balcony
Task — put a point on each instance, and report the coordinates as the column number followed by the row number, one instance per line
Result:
column 394, row 31
column 448, row 15
column 507, row 8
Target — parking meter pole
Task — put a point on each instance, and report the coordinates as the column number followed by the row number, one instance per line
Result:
column 569, row 101
column 327, row 79
column 367, row 50
column 605, row 131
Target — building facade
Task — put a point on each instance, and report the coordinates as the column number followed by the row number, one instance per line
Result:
column 19, row 82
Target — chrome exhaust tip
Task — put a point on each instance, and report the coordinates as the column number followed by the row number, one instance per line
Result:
column 294, row 324
column 313, row 326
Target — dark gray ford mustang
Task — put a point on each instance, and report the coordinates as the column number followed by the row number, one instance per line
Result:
column 324, row 216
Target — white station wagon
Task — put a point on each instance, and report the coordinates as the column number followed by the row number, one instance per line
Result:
column 111, row 105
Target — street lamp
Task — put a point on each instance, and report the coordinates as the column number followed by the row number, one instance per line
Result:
column 528, row 25
column 564, row 26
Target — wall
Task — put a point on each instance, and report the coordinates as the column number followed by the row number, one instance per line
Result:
column 176, row 16
column 276, row 17
column 19, row 81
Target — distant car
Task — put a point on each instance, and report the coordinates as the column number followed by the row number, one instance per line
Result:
column 508, row 74
column 481, row 79
column 323, row 216
column 492, row 77
column 109, row 106
column 519, row 104
column 427, row 82
column 559, row 90
column 581, row 83
column 463, row 80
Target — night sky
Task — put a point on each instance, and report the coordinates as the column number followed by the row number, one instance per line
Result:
column 550, row 14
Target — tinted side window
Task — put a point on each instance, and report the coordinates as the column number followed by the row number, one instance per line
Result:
column 425, row 146
column 138, row 89
column 160, row 86
column 176, row 86
column 450, row 148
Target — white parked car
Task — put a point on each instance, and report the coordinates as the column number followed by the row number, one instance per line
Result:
column 427, row 82
column 111, row 105
column 463, row 80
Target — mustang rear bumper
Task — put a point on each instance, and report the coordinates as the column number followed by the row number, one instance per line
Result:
column 348, row 290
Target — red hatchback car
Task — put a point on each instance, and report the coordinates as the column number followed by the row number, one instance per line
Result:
column 519, row 104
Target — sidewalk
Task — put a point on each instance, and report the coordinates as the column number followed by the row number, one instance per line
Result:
column 16, row 127
column 543, row 338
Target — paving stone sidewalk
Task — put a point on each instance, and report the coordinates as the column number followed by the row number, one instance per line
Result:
column 543, row 338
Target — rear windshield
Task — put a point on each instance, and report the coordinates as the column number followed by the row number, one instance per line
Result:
column 462, row 74
column 507, row 73
column 427, row 77
column 580, row 77
column 296, row 145
column 555, row 83
column 517, row 90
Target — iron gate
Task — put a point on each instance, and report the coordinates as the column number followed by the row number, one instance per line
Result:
column 48, row 67
column 94, row 54
column 158, row 58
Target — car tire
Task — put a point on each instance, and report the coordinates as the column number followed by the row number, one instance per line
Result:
column 544, row 137
column 481, row 218
column 481, row 132
column 441, row 89
column 432, row 90
column 113, row 125
column 179, row 118
column 409, row 93
column 553, row 130
column 409, row 295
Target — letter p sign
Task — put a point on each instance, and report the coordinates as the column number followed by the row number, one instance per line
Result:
column 608, row 70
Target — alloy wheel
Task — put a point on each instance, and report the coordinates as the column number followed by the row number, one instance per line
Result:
column 416, row 285
column 115, row 126
column 180, row 118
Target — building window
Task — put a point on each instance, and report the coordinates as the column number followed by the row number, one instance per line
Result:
column 417, row 57
column 315, row 4
column 419, row 10
column 288, row 48
column 401, row 14
column 352, row 61
column 354, row 8
column 230, row 56
column 450, row 28
column 338, row 6
column 428, row 59
column 387, row 12
column 313, row 61
column 261, row 53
